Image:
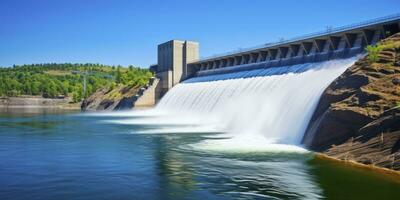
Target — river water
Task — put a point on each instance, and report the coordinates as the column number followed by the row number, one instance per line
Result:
column 56, row 155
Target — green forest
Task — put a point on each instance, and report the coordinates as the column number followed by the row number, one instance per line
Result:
column 67, row 80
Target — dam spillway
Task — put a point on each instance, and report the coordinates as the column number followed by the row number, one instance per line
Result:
column 273, row 105
column 267, row 92
column 179, row 60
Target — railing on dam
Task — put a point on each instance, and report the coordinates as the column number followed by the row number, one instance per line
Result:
column 380, row 20
column 345, row 53
column 341, row 42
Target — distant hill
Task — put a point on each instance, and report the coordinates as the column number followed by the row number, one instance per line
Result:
column 67, row 80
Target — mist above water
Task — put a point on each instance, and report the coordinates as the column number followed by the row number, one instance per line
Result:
column 254, row 109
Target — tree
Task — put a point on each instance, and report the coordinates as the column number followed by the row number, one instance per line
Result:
column 76, row 97
column 49, row 89
column 50, row 79
column 118, row 76
column 35, row 88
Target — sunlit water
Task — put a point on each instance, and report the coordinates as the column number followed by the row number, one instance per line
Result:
column 231, row 136
column 51, row 155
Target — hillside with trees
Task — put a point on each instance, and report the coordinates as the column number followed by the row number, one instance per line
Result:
column 75, row 81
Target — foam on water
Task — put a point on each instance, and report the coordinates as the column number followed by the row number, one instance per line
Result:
column 245, row 145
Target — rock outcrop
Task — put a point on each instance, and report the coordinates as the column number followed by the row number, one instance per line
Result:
column 358, row 116
column 122, row 97
column 118, row 98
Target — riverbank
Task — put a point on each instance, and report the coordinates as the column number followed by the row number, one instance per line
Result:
column 38, row 102
column 389, row 173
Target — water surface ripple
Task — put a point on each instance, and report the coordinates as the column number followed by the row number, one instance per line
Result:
column 60, row 156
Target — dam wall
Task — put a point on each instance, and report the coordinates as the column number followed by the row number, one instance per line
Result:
column 178, row 60
column 149, row 96
column 342, row 42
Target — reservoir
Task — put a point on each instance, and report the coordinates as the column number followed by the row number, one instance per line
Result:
column 50, row 154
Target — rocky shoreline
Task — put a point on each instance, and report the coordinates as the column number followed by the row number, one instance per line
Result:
column 392, row 174
column 358, row 116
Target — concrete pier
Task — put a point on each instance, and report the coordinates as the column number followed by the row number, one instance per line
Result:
column 173, row 59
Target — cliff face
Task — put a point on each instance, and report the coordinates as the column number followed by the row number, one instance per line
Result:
column 358, row 116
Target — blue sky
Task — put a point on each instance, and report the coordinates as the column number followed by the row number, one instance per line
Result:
column 126, row 32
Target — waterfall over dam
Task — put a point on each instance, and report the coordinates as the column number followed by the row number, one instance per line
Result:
column 255, row 96
column 272, row 105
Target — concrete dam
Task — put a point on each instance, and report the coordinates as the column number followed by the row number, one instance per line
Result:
column 257, row 96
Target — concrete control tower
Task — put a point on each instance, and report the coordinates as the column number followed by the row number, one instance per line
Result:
column 173, row 59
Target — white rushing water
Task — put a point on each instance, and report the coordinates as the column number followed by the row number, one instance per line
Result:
column 258, row 109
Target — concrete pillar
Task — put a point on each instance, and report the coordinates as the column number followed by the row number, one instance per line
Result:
column 209, row 65
column 253, row 57
column 224, row 62
column 283, row 51
column 334, row 42
column 203, row 66
column 319, row 44
column 220, row 63
column 273, row 53
column 313, row 49
column 342, row 43
column 217, row 64
column 376, row 37
column 301, row 51
column 268, row 56
column 327, row 47
column 245, row 59
column 294, row 49
column 214, row 64
column 368, row 35
column 238, row 60
column 290, row 54
column 262, row 56
column 359, row 41
column 350, row 38
column 231, row 61
column 307, row 47
column 198, row 67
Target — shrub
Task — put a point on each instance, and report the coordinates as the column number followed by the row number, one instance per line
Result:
column 373, row 52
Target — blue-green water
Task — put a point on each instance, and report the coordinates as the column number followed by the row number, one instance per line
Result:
column 51, row 155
